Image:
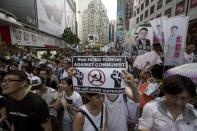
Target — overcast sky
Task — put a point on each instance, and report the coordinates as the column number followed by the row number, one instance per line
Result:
column 111, row 6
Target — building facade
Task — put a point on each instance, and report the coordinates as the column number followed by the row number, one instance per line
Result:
column 39, row 23
column 128, row 12
column 95, row 22
column 81, row 6
column 145, row 10
column 112, row 31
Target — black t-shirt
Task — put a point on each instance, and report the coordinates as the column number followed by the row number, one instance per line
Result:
column 27, row 114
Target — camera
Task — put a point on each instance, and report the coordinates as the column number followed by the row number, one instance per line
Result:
column 69, row 101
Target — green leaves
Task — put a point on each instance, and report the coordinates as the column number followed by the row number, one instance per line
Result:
column 69, row 37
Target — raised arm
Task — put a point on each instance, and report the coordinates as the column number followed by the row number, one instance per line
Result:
column 131, row 88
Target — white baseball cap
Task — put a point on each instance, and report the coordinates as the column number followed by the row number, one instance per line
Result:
column 36, row 83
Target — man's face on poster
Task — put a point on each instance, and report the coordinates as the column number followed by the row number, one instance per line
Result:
column 143, row 34
column 174, row 31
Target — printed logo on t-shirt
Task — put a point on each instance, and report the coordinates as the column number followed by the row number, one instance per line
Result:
column 18, row 114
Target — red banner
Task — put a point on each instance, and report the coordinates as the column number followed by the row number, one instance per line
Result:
column 180, row 7
column 5, row 34
column 193, row 3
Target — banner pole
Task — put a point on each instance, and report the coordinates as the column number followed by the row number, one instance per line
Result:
column 187, row 7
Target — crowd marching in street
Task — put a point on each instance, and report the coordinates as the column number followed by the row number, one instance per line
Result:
column 38, row 95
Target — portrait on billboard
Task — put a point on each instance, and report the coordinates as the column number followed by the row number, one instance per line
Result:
column 17, row 34
column 26, row 36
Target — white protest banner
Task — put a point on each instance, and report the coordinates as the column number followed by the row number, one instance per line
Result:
column 158, row 34
column 139, row 62
column 175, row 33
column 99, row 74
column 151, row 57
column 145, row 39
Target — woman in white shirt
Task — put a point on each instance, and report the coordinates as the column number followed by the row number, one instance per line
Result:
column 96, row 111
column 71, row 101
column 173, row 112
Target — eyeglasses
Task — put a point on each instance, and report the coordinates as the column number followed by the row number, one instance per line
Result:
column 9, row 81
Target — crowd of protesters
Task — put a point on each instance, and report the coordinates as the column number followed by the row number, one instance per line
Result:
column 37, row 95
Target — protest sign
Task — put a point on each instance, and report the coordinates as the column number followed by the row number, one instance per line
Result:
column 175, row 33
column 151, row 57
column 99, row 74
column 145, row 39
column 157, row 26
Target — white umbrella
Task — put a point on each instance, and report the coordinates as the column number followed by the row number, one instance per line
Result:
column 188, row 70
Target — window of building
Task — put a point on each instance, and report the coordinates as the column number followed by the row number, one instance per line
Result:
column 168, row 12
column 146, row 14
column 146, row 2
column 159, row 4
column 152, row 0
column 159, row 15
column 142, row 6
column 168, row 1
column 138, row 10
column 152, row 9
column 137, row 20
column 134, row 13
column 141, row 17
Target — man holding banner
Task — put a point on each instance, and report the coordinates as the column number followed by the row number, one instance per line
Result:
column 106, row 75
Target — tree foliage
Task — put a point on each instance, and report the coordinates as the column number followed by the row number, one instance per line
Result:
column 69, row 37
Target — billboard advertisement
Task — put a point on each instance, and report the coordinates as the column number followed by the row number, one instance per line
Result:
column 120, row 19
column 51, row 16
column 28, row 38
column 70, row 20
column 24, row 10
column 92, row 38
column 175, row 33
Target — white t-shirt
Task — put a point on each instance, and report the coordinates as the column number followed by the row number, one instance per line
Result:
column 49, row 95
column 87, row 126
column 156, row 117
column 117, row 114
column 77, row 101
